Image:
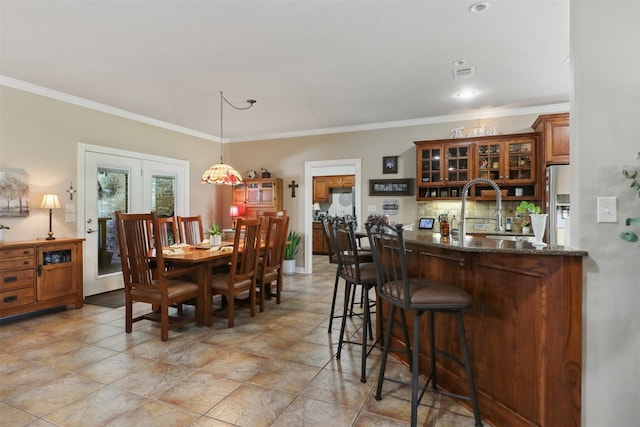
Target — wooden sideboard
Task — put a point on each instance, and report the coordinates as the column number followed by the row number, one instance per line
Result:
column 39, row 274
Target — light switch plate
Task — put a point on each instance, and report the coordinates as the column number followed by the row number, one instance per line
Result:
column 69, row 217
column 70, row 208
column 607, row 210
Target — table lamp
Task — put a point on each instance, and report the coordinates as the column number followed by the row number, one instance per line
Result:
column 316, row 209
column 233, row 213
column 51, row 202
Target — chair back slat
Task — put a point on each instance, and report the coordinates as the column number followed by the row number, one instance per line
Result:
column 167, row 231
column 329, row 237
column 277, row 229
column 389, row 256
column 191, row 231
column 136, row 248
column 246, row 249
column 346, row 248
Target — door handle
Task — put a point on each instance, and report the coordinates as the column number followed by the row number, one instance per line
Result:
column 91, row 230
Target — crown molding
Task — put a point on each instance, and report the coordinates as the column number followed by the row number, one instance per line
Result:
column 82, row 102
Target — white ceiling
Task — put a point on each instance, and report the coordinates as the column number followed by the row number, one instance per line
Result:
column 314, row 66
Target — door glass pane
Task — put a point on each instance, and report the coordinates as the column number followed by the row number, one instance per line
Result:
column 113, row 195
column 163, row 195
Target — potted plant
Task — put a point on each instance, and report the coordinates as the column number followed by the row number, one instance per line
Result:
column 215, row 234
column 2, row 228
column 538, row 221
column 290, row 251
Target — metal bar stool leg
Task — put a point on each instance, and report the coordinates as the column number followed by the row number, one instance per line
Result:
column 347, row 291
column 415, row 374
column 432, row 351
column 469, row 372
column 333, row 301
column 385, row 351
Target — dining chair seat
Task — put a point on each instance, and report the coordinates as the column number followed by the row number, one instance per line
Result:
column 175, row 289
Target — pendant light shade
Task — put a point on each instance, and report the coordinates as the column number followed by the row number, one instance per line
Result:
column 222, row 173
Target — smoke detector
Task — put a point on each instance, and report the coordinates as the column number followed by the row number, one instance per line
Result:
column 464, row 72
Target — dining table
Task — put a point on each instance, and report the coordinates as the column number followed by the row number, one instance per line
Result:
column 205, row 259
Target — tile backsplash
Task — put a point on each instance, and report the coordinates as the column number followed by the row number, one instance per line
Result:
column 474, row 209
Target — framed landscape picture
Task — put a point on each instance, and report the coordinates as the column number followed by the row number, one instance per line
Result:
column 14, row 193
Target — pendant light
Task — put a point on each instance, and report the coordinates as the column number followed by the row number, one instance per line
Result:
column 222, row 173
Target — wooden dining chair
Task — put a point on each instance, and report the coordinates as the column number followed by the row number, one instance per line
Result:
column 243, row 269
column 147, row 280
column 275, row 213
column 270, row 264
column 190, row 228
column 168, row 230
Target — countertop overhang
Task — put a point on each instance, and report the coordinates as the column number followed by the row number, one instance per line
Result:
column 483, row 244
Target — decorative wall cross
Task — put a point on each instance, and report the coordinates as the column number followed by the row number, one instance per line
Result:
column 71, row 190
column 293, row 187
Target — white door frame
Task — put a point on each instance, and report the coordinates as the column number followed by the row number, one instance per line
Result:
column 150, row 164
column 324, row 168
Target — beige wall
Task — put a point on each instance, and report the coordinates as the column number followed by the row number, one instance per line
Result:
column 286, row 158
column 41, row 134
column 605, row 136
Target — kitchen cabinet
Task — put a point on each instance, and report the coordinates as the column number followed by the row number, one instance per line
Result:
column 40, row 274
column 320, row 189
column 256, row 196
column 341, row 181
column 319, row 242
column 554, row 134
column 445, row 166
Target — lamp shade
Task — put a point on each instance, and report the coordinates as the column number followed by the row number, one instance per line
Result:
column 221, row 174
column 233, row 211
column 50, row 201
column 316, row 206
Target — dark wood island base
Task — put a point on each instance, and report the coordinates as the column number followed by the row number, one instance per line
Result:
column 524, row 328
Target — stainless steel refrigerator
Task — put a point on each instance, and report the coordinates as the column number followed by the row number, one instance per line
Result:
column 558, row 204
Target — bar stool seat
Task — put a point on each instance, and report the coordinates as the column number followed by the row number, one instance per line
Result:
column 419, row 296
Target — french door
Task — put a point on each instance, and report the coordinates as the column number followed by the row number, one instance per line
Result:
column 117, row 180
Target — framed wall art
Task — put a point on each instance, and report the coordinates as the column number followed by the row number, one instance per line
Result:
column 14, row 193
column 390, row 164
column 391, row 187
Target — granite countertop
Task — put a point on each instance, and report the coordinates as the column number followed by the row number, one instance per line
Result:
column 482, row 244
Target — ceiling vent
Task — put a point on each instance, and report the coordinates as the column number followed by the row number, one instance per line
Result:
column 464, row 72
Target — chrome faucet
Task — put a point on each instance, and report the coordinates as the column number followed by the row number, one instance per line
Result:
column 462, row 228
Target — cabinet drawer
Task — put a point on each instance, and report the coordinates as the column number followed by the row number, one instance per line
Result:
column 16, row 298
column 17, row 279
column 17, row 253
column 13, row 263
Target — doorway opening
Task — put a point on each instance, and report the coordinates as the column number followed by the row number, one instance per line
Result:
column 325, row 168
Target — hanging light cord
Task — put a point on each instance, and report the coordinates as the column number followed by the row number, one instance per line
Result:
column 222, row 101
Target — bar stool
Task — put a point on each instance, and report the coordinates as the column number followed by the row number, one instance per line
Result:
column 355, row 273
column 421, row 296
column 333, row 259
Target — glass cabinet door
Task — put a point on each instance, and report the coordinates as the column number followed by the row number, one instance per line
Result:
column 430, row 167
column 489, row 157
column 458, row 164
column 520, row 160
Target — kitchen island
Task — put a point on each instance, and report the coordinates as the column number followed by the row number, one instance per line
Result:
column 524, row 328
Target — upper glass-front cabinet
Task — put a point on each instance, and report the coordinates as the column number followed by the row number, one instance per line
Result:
column 445, row 166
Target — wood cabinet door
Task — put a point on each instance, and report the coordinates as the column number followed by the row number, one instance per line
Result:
column 458, row 163
column 429, row 165
column 57, row 271
column 320, row 189
column 348, row 181
column 520, row 161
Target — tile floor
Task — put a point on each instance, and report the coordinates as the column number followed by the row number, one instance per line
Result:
column 79, row 368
